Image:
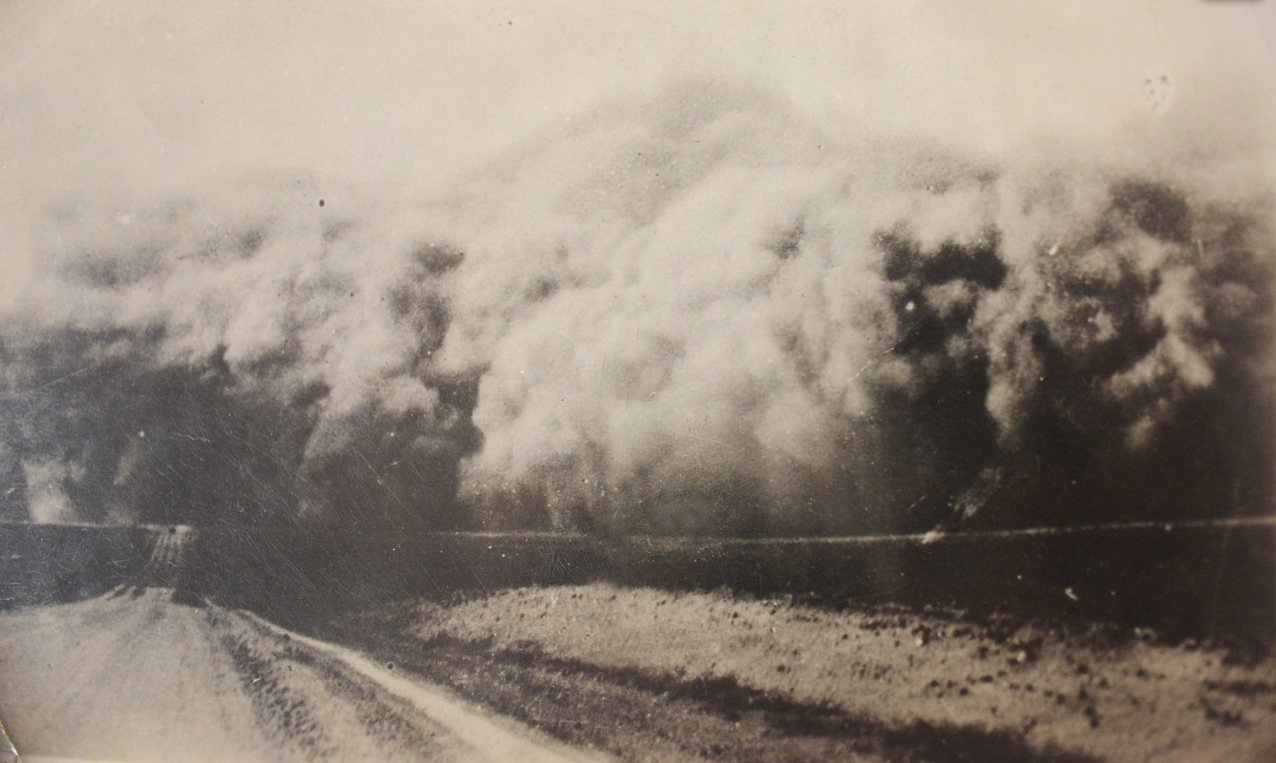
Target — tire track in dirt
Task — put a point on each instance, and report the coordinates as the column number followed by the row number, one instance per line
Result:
column 486, row 736
column 315, row 706
column 135, row 676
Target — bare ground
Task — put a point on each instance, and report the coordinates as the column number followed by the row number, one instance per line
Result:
column 649, row 675
column 636, row 673
column 134, row 676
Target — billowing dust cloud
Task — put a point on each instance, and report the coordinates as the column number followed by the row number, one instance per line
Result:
column 689, row 315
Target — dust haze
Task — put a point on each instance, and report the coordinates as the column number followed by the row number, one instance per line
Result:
column 749, row 294
column 691, row 313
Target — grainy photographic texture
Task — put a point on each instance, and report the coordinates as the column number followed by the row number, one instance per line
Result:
column 641, row 382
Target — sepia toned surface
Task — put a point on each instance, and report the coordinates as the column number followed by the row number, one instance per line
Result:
column 571, row 381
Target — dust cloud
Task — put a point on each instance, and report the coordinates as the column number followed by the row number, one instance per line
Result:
column 694, row 314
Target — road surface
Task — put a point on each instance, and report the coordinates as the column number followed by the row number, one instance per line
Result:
column 134, row 676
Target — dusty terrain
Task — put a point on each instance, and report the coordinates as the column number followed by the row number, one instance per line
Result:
column 164, row 669
column 651, row 675
column 134, row 676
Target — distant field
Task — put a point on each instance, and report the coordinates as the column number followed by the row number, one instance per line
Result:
column 1197, row 580
column 42, row 564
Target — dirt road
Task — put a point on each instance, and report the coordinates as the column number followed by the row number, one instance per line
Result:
column 153, row 671
column 134, row 676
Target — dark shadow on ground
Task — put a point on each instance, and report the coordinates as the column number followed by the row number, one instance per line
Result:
column 553, row 693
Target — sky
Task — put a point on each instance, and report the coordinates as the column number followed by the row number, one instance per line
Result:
column 697, row 266
column 131, row 94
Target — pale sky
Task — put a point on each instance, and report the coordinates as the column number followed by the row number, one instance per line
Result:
column 130, row 94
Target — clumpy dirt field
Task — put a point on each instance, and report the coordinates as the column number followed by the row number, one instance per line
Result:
column 650, row 675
